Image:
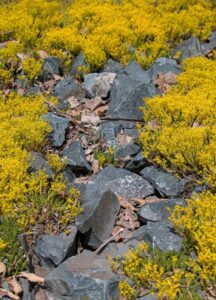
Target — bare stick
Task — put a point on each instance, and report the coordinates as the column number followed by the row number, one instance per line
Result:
column 121, row 119
column 98, row 250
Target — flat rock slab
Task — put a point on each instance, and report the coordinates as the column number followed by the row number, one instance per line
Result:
column 59, row 127
column 74, row 157
column 158, row 211
column 126, row 150
column 98, row 84
column 53, row 250
column 166, row 184
column 82, row 277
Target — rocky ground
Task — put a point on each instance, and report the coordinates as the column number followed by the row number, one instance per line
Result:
column 125, row 199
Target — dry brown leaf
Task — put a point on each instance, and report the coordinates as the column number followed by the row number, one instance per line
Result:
column 94, row 103
column 125, row 204
column 41, row 295
column 90, row 119
column 74, row 102
column 42, row 54
column 152, row 124
column 32, row 277
column 101, row 109
column 124, row 139
column 15, row 287
column 117, row 234
column 95, row 166
column 3, row 269
column 8, row 294
column 164, row 81
column 48, row 85
column 22, row 56
column 57, row 77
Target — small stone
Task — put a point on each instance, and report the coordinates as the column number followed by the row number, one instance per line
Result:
column 137, row 163
column 85, row 276
column 98, row 84
column 51, row 66
column 53, row 250
column 164, row 65
column 38, row 163
column 74, row 157
column 79, row 65
column 59, row 127
column 129, row 149
column 113, row 66
column 166, row 184
column 189, row 48
column 66, row 88
column 158, row 211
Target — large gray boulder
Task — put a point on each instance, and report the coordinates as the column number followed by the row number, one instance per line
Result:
column 82, row 277
column 66, row 88
column 137, row 163
column 53, row 250
column 158, row 210
column 166, row 184
column 74, row 157
column 117, row 181
column 59, row 127
column 98, row 84
column 128, row 93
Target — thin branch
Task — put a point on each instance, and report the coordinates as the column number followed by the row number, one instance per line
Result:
column 98, row 250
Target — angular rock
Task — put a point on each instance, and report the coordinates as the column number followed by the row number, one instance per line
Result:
column 83, row 277
column 74, row 157
column 109, row 132
column 148, row 297
column 160, row 236
column 166, row 184
column 38, row 163
column 68, row 87
column 129, row 149
column 53, row 250
column 101, row 220
column 129, row 90
column 78, row 65
column 164, row 65
column 157, row 211
column 34, row 90
column 68, row 175
column 59, row 127
column 210, row 45
column 113, row 66
column 189, row 48
column 51, row 66
column 119, row 181
column 98, row 84
column 137, row 163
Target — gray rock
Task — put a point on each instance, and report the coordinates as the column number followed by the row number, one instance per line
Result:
column 109, row 132
column 119, row 181
column 166, row 184
column 100, row 219
column 83, row 277
column 157, row 211
column 26, row 294
column 34, row 90
column 59, row 127
column 68, row 175
column 113, row 66
column 160, row 236
column 129, row 90
column 210, row 45
column 38, row 163
column 51, row 66
column 164, row 65
column 98, row 84
column 137, row 163
column 129, row 149
column 148, row 297
column 53, row 250
column 78, row 62
column 189, row 48
column 74, row 157
column 68, row 87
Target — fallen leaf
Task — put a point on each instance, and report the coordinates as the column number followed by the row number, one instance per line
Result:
column 6, row 293
column 42, row 54
column 95, row 166
column 57, row 77
column 32, row 277
column 90, row 119
column 164, row 81
column 124, row 139
column 116, row 233
column 125, row 204
column 74, row 102
column 94, row 103
column 3, row 269
column 48, row 85
column 101, row 109
column 15, row 286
